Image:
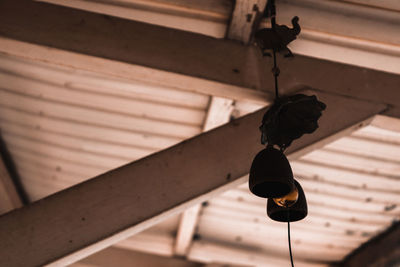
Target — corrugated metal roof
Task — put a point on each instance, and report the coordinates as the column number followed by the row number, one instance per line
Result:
column 63, row 127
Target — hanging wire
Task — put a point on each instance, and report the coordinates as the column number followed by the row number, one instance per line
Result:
column 290, row 246
column 275, row 70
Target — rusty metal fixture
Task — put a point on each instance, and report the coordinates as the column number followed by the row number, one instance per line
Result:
column 295, row 212
column 270, row 174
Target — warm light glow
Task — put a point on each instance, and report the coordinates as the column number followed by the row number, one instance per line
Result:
column 288, row 200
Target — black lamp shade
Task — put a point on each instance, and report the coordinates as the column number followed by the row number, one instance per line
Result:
column 293, row 213
column 270, row 174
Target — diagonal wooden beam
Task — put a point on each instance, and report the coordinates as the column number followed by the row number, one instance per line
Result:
column 90, row 216
column 219, row 112
column 188, row 61
column 10, row 198
column 186, row 230
column 383, row 250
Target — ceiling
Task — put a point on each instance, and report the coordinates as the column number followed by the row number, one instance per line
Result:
column 63, row 126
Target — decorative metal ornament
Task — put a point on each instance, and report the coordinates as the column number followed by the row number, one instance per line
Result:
column 289, row 199
column 295, row 212
column 277, row 38
column 270, row 174
column 289, row 118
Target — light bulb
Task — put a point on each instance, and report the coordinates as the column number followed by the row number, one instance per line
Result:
column 288, row 200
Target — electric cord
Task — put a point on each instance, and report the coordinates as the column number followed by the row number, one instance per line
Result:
column 290, row 246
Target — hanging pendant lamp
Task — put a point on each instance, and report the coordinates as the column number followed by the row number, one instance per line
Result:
column 287, row 119
column 270, row 174
column 290, row 208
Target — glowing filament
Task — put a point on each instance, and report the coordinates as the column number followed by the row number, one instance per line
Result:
column 288, row 200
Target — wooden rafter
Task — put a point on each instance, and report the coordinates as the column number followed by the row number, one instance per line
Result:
column 383, row 250
column 186, row 230
column 181, row 14
column 9, row 196
column 127, row 258
column 187, row 61
column 245, row 15
column 219, row 112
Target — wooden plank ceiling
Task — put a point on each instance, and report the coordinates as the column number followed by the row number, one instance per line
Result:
column 64, row 126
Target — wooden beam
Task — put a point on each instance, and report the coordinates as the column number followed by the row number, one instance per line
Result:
column 385, row 122
column 245, row 15
column 90, row 216
column 219, row 112
column 383, row 250
column 388, row 4
column 367, row 38
column 365, row 23
column 132, row 67
column 158, row 242
column 186, row 230
column 9, row 198
column 208, row 17
column 211, row 251
column 136, row 74
column 188, row 61
column 127, row 258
